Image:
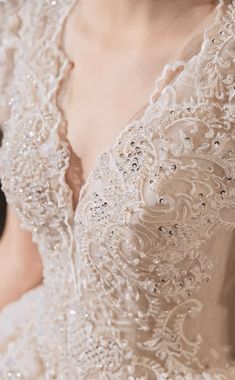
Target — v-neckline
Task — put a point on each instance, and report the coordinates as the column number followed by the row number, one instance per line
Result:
column 143, row 110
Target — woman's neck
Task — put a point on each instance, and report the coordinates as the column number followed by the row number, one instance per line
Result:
column 140, row 17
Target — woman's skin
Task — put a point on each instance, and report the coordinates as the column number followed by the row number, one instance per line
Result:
column 118, row 48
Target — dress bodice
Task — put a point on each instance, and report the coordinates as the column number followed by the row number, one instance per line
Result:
column 139, row 277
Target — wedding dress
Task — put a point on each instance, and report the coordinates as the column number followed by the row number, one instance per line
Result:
column 138, row 280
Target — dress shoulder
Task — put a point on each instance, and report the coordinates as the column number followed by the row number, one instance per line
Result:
column 10, row 24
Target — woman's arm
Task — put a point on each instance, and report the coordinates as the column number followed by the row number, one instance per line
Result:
column 20, row 261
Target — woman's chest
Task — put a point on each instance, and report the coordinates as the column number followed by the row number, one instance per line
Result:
column 99, row 101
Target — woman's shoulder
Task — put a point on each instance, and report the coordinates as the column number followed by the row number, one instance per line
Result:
column 9, row 29
column 14, row 14
column 20, row 25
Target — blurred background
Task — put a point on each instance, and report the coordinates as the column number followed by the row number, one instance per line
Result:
column 3, row 205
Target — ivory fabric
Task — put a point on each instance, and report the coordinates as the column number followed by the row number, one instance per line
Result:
column 139, row 279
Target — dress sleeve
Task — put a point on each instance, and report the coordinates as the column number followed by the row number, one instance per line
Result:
column 9, row 28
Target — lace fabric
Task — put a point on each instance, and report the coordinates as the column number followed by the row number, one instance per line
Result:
column 9, row 25
column 135, row 275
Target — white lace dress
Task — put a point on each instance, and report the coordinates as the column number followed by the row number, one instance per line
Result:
column 139, row 279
